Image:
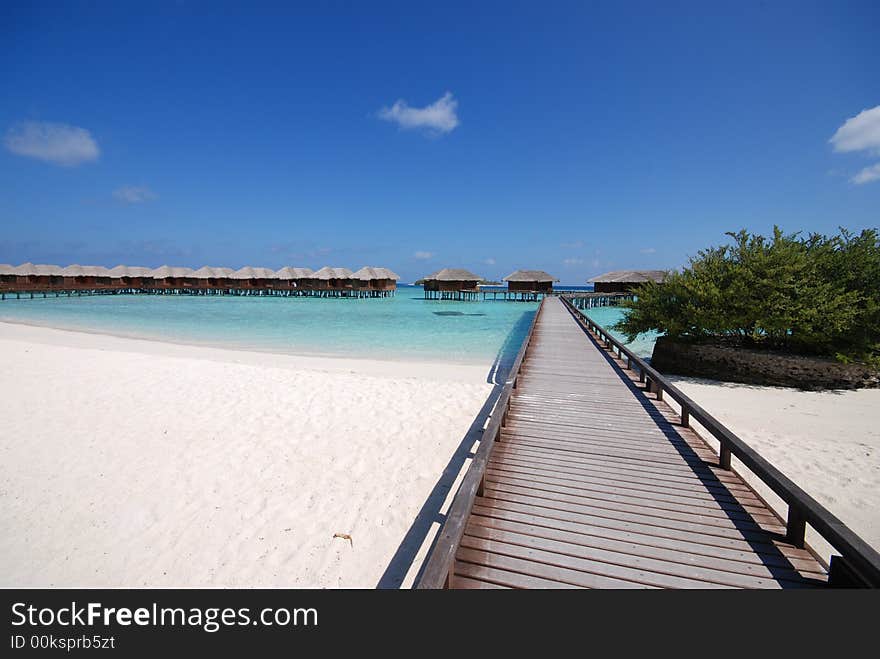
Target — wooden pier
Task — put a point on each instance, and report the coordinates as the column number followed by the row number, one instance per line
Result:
column 585, row 477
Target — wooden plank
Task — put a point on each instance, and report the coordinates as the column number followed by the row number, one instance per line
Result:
column 700, row 497
column 745, row 531
column 675, row 562
column 505, row 578
column 535, row 552
column 466, row 583
column 737, row 551
column 551, row 573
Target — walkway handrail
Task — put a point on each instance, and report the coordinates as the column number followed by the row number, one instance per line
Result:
column 858, row 563
column 440, row 566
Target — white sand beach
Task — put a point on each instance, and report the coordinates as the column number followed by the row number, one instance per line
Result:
column 135, row 463
column 827, row 442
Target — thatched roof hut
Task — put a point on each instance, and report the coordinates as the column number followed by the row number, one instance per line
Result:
column 334, row 280
column 623, row 281
column 375, row 282
column 451, row 283
column 530, row 281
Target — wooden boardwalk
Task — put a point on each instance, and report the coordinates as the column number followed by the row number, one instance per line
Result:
column 595, row 483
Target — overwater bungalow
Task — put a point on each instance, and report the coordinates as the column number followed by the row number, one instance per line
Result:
column 213, row 280
column 169, row 279
column 26, row 277
column 333, row 282
column 251, row 279
column 528, row 284
column 76, row 277
column 375, row 282
column 623, row 281
column 7, row 276
column 298, row 280
column 131, row 278
column 451, row 284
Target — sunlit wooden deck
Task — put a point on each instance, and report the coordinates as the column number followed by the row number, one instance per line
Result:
column 593, row 482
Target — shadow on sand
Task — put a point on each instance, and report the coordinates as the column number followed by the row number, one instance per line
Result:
column 403, row 558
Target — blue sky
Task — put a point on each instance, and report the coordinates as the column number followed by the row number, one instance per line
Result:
column 573, row 137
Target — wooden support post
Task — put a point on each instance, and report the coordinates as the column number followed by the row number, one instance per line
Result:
column 685, row 416
column 796, row 527
column 724, row 457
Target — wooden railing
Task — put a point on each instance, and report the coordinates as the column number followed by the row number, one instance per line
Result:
column 440, row 567
column 858, row 563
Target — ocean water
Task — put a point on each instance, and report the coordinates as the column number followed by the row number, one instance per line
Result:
column 643, row 346
column 404, row 327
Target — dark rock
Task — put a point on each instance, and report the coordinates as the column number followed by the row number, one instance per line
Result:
column 760, row 367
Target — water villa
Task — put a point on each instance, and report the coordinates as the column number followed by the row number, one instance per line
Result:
column 375, row 282
column 30, row 279
column 451, row 284
column 528, row 284
column 623, row 281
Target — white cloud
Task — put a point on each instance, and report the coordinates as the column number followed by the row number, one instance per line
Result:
column 648, row 250
column 423, row 256
column 571, row 262
column 577, row 244
column 438, row 117
column 859, row 133
column 131, row 194
column 867, row 175
column 57, row 143
column 489, row 261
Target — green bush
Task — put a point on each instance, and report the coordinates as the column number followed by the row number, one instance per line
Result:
column 816, row 295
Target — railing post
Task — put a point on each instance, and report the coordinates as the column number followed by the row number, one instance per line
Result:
column 724, row 456
column 796, row 527
column 685, row 416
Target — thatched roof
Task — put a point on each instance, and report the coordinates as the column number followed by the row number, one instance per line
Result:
column 130, row 271
column 288, row 272
column 453, row 274
column 367, row 273
column 530, row 275
column 120, row 271
column 73, row 271
column 207, row 272
column 7, row 269
column 249, row 272
column 327, row 273
column 24, row 270
column 48, row 270
column 167, row 271
column 630, row 276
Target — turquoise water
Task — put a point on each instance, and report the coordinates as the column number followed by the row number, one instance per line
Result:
column 643, row 346
column 401, row 327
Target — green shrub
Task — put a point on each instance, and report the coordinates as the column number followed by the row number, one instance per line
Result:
column 815, row 295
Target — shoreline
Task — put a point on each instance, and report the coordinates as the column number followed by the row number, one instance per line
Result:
column 330, row 362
